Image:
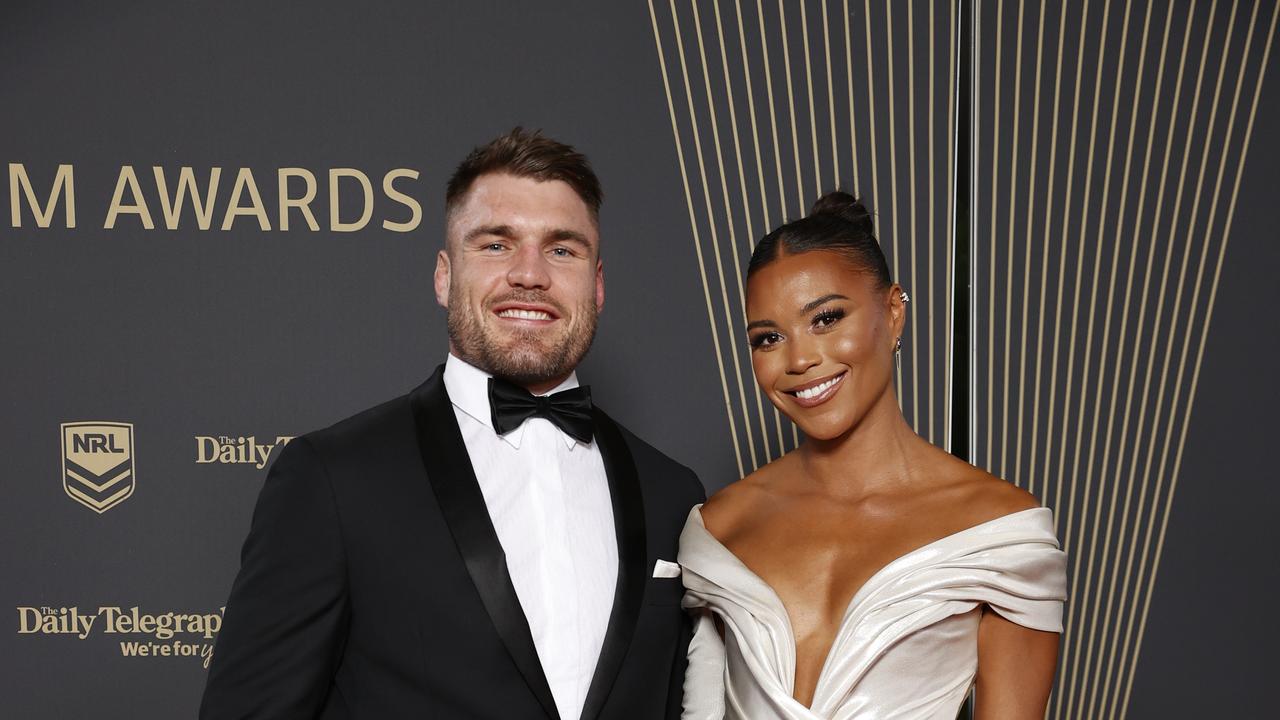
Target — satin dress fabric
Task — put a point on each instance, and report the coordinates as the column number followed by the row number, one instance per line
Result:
column 907, row 647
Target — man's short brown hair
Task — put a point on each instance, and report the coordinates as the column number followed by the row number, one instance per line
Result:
column 526, row 154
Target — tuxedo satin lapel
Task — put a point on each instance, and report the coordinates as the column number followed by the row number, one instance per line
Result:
column 628, row 519
column 453, row 480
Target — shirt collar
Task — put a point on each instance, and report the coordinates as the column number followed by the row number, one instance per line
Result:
column 468, row 388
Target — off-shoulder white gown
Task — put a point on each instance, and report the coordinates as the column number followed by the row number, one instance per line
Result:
column 907, row 647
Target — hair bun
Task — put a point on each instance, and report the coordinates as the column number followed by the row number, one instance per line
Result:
column 845, row 206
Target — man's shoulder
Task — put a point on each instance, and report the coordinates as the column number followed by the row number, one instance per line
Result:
column 369, row 429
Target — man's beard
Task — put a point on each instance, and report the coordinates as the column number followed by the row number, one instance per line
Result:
column 529, row 356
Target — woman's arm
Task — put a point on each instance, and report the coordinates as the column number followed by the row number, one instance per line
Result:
column 1015, row 669
column 704, row 678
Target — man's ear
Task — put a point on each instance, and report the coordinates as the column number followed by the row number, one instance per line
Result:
column 442, row 278
column 599, row 285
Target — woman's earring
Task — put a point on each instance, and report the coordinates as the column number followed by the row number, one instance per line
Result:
column 905, row 297
column 897, row 353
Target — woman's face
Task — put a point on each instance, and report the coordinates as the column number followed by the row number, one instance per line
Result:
column 822, row 339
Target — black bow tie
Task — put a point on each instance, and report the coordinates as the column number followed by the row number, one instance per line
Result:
column 569, row 410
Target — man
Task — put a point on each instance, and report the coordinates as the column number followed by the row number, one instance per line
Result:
column 488, row 545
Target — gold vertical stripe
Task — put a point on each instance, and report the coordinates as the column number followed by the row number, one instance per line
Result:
column 697, row 243
column 777, row 160
column 871, row 112
column 813, row 118
column 1105, row 647
column 746, row 212
column 1057, row 312
column 1071, row 343
column 853, row 124
column 1077, row 604
column 831, row 99
column 1204, row 333
column 1104, row 580
column 911, row 208
column 802, row 199
column 952, row 171
column 764, row 197
column 930, row 233
column 893, row 164
column 1173, row 478
column 991, row 276
column 974, row 140
column 728, row 307
column 1091, row 519
column 1044, row 263
column 1014, row 149
column 795, row 142
column 1109, row 647
column 1161, row 295
column 1026, row 268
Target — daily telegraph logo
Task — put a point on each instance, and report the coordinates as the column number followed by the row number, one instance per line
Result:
column 140, row 634
column 239, row 450
column 97, row 463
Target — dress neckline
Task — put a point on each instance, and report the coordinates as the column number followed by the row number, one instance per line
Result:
column 854, row 602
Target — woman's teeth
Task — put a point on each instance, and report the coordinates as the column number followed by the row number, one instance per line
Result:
column 525, row 314
column 817, row 390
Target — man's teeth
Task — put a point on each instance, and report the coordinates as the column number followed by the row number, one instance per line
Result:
column 817, row 390
column 524, row 314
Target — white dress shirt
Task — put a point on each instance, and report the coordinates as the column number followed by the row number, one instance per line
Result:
column 548, row 498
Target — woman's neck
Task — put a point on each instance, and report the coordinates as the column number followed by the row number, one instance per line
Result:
column 873, row 455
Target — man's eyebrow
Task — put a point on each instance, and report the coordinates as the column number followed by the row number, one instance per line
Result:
column 504, row 231
column 569, row 235
column 824, row 299
column 761, row 323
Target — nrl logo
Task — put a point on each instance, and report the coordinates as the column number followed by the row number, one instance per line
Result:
column 97, row 463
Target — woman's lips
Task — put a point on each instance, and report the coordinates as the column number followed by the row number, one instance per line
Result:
column 818, row 392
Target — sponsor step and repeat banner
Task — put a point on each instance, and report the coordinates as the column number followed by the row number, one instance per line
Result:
column 98, row 473
column 219, row 222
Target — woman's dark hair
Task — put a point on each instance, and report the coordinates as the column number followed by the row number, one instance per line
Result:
column 838, row 222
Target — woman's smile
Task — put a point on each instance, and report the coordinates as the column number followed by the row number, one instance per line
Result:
column 816, row 392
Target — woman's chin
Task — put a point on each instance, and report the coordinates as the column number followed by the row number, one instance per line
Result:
column 823, row 430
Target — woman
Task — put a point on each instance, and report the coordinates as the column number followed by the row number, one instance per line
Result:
column 867, row 573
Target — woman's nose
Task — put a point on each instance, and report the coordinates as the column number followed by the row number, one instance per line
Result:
column 802, row 354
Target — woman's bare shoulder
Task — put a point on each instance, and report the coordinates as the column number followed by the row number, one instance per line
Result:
column 731, row 507
column 980, row 495
column 993, row 497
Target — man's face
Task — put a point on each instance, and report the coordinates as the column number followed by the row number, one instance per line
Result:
column 521, row 278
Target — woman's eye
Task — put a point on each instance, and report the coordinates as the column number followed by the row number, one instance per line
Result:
column 828, row 318
column 765, row 339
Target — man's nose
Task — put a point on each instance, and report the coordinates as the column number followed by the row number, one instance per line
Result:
column 529, row 269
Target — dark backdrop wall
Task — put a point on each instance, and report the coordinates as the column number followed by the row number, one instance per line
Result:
column 196, row 340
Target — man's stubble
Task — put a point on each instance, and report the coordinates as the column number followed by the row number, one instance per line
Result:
column 528, row 357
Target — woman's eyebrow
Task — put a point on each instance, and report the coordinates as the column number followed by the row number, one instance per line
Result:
column 824, row 299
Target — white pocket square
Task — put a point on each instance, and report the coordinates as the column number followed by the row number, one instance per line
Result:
column 665, row 569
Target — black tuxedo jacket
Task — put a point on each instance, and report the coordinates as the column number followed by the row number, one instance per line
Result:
column 372, row 584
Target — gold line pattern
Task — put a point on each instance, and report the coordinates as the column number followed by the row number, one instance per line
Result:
column 1106, row 457
column 1112, row 494
column 706, row 109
